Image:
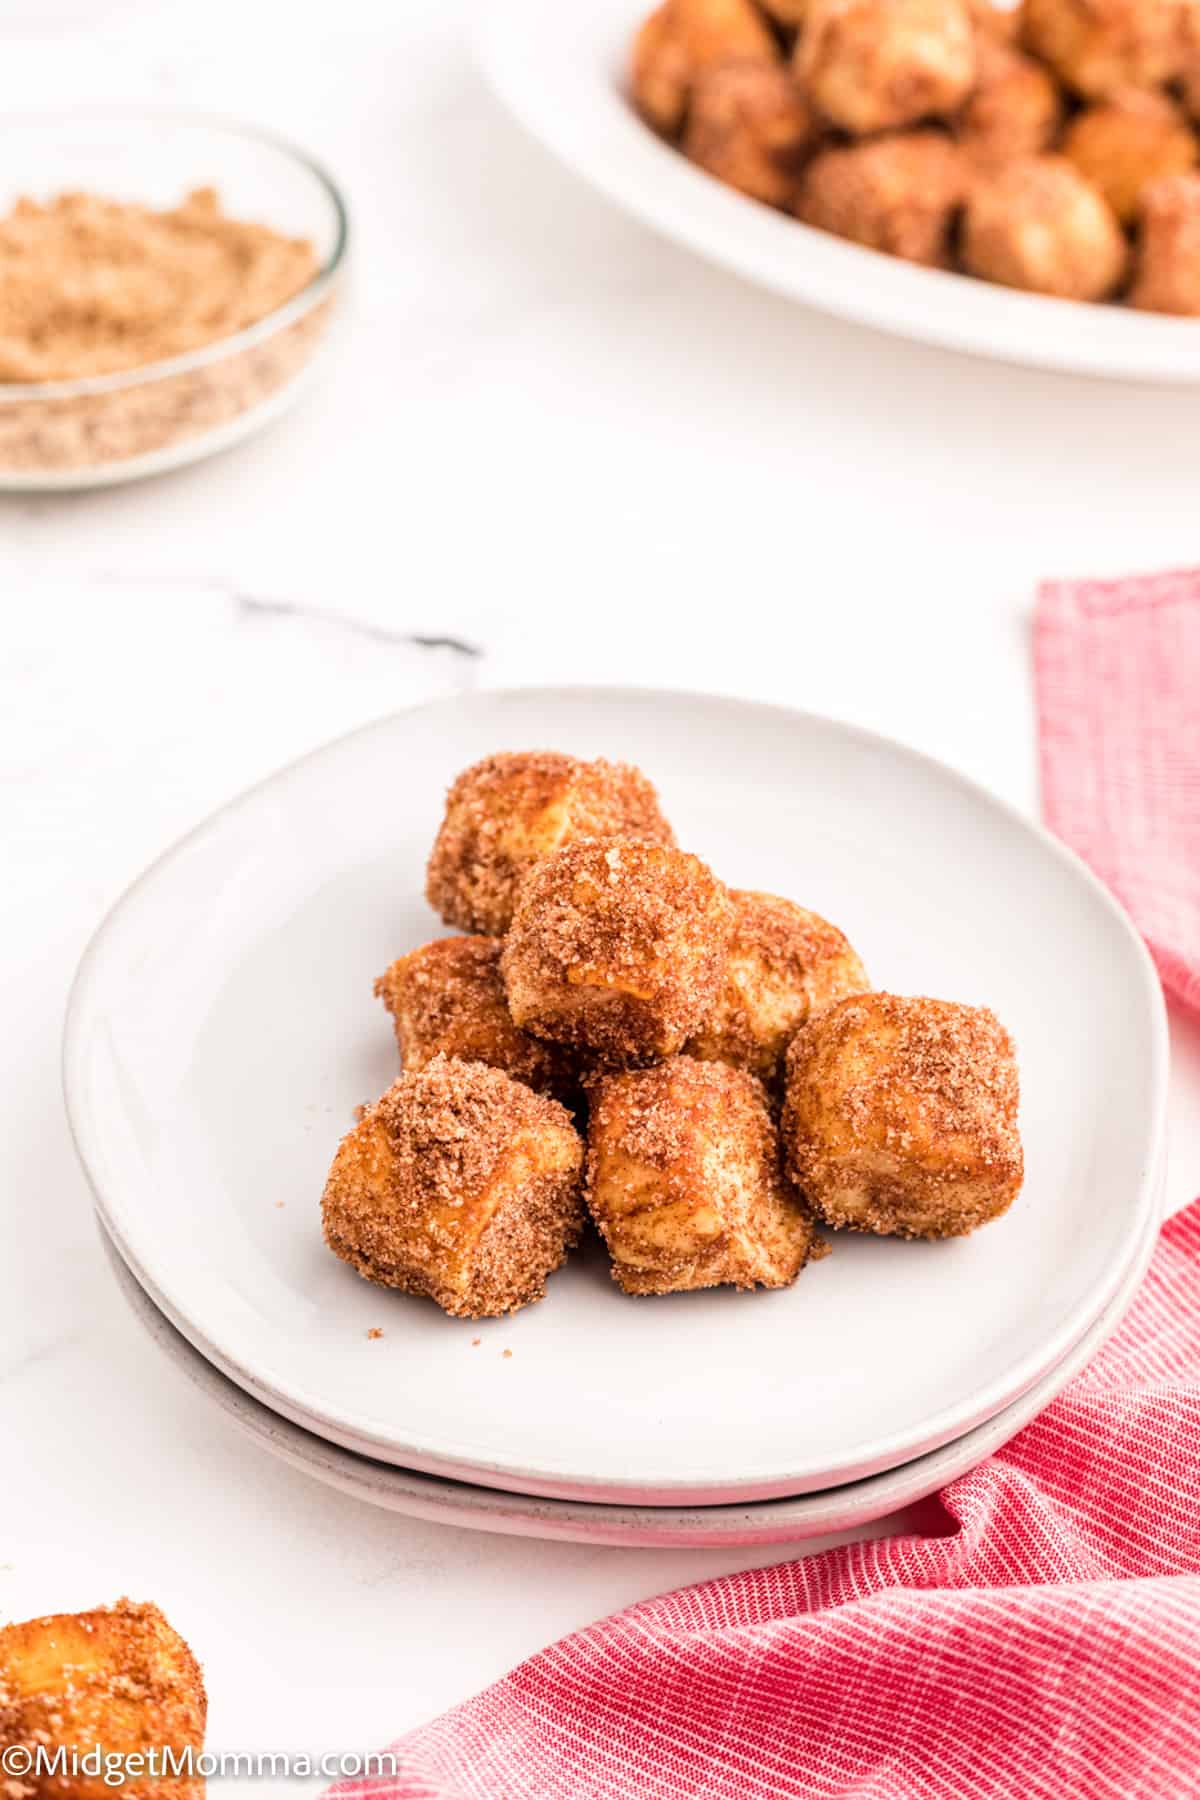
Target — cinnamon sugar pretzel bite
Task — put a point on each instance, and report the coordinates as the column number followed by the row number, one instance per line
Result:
column 993, row 19
column 901, row 1116
column 1168, row 258
column 679, row 40
column 1189, row 74
column 460, row 1184
column 618, row 948
column 118, row 1679
column 878, row 65
column 685, row 1181
column 1037, row 224
column 1099, row 47
column 447, row 999
column 1123, row 145
column 899, row 194
column 784, row 963
column 505, row 812
column 750, row 126
column 1015, row 108
column 790, row 14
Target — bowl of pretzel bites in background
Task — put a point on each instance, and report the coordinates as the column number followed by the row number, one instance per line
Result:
column 857, row 154
column 1048, row 145
column 613, row 1095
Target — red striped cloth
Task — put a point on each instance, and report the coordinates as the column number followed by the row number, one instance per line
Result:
column 1118, row 686
column 1040, row 1639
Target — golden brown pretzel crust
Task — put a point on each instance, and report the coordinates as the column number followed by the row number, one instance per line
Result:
column 618, row 948
column 1037, row 224
column 879, row 65
column 784, row 962
column 682, row 38
column 789, row 14
column 447, row 999
column 686, row 1184
column 512, row 808
column 1168, row 272
column 118, row 1678
column 1015, row 108
column 999, row 24
column 750, row 126
column 1124, row 145
column 460, row 1184
column 901, row 1115
column 898, row 194
column 1099, row 47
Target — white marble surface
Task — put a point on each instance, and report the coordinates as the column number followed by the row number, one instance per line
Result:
column 590, row 458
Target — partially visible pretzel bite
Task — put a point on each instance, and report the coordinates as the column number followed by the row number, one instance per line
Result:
column 1124, row 144
column 994, row 19
column 679, row 40
column 751, row 127
column 118, row 1679
column 899, row 194
column 447, row 999
column 1037, row 224
column 1099, row 47
column 1015, row 109
column 879, row 65
column 784, row 962
column 901, row 1116
column 685, row 1182
column 505, row 812
column 1168, row 258
column 460, row 1184
column 791, row 14
column 1189, row 74
column 618, row 948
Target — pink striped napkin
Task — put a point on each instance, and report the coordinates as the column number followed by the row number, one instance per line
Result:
column 1041, row 1640
column 1118, row 687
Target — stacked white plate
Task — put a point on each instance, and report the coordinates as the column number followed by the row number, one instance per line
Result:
column 222, row 1031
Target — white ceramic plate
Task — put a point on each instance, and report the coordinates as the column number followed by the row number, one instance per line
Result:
column 222, row 1030
column 561, row 71
column 576, row 1521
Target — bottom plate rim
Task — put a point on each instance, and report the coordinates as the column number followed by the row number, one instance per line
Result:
column 472, row 1506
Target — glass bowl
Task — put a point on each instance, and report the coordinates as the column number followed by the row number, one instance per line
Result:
column 100, row 429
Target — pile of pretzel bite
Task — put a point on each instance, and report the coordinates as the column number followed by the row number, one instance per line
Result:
column 1049, row 145
column 705, row 1072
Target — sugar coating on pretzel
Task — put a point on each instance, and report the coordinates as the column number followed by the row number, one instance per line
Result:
column 618, row 948
column 118, row 1678
column 784, row 962
column 1099, row 47
column 460, row 1184
column 686, row 1184
column 1015, row 108
column 447, row 999
column 1168, row 264
column 750, row 125
column 1122, row 146
column 1038, row 224
column 879, row 65
column 506, row 812
column 680, row 40
column 899, row 193
column 900, row 1115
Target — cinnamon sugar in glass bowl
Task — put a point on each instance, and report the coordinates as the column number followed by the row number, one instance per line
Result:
column 95, row 429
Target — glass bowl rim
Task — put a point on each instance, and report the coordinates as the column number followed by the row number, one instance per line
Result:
column 308, row 297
